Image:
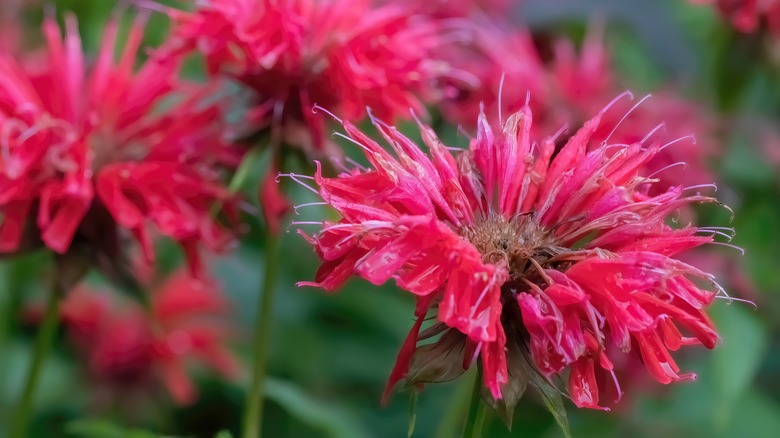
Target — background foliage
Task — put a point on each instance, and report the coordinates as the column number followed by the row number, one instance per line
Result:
column 332, row 354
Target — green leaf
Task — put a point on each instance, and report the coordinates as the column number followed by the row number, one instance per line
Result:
column 105, row 429
column 755, row 415
column 553, row 401
column 224, row 434
column 736, row 361
column 330, row 419
column 412, row 413
column 736, row 63
column 519, row 369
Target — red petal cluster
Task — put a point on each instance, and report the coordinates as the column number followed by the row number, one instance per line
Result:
column 125, row 346
column 603, row 270
column 343, row 55
column 135, row 142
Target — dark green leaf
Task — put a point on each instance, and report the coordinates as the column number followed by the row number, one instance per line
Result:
column 330, row 419
column 736, row 360
column 553, row 400
column 519, row 370
column 105, row 429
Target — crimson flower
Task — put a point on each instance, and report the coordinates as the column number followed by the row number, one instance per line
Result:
column 87, row 149
column 128, row 348
column 585, row 80
column 570, row 86
column 748, row 15
column 523, row 255
column 493, row 57
column 342, row 54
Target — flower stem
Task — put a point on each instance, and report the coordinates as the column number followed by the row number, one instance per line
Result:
column 253, row 414
column 43, row 343
column 477, row 412
column 458, row 408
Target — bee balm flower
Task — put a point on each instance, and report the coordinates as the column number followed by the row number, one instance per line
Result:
column 128, row 348
column 341, row 54
column 93, row 148
column 748, row 15
column 524, row 255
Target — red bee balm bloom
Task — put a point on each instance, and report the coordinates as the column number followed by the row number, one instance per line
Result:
column 78, row 142
column 515, row 248
column 125, row 346
column 747, row 15
column 341, row 54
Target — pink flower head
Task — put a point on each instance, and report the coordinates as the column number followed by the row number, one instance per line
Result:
column 107, row 145
column 585, row 81
column 523, row 254
column 748, row 15
column 295, row 54
column 126, row 346
column 502, row 69
column 567, row 90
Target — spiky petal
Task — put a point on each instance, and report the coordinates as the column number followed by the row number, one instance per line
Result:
column 569, row 253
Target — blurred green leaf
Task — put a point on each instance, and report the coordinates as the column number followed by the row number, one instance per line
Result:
column 55, row 380
column 735, row 65
column 743, row 165
column 224, row 434
column 327, row 417
column 412, row 413
column 754, row 416
column 736, row 361
column 95, row 428
column 634, row 63
column 553, row 401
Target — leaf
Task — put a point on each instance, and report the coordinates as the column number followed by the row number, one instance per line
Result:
column 412, row 413
column 755, row 415
column 104, row 429
column 441, row 361
column 553, row 401
column 519, row 370
column 735, row 66
column 334, row 422
column 224, row 434
column 736, row 360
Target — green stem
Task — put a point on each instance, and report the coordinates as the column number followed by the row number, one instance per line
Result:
column 43, row 343
column 476, row 420
column 248, row 164
column 253, row 414
column 458, row 409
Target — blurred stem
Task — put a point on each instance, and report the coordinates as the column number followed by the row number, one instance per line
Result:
column 248, row 164
column 476, row 416
column 458, row 409
column 253, row 414
column 43, row 344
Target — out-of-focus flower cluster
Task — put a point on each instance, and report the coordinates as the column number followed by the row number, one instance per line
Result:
column 129, row 351
column 545, row 248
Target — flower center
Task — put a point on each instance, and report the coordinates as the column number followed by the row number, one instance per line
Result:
column 521, row 242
